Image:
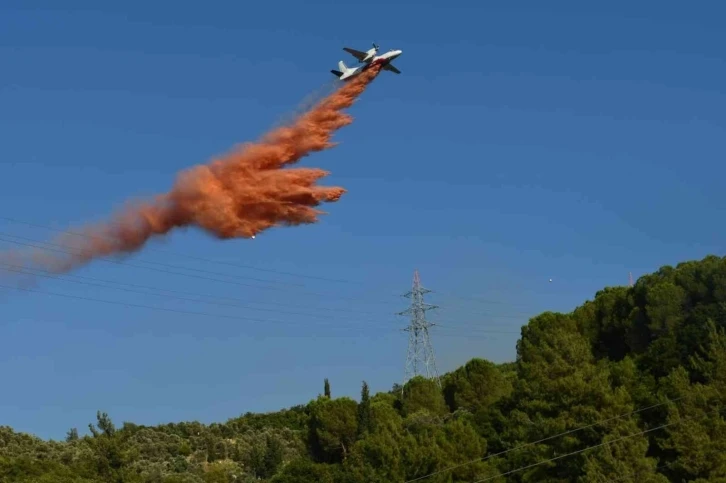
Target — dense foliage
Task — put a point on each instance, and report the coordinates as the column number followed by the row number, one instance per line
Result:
column 628, row 387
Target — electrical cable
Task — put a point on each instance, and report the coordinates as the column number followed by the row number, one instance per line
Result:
column 118, row 262
column 209, row 302
column 203, row 314
column 571, row 431
column 606, row 443
column 233, row 264
column 193, row 257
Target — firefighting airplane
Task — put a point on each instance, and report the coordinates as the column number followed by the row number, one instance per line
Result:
column 369, row 58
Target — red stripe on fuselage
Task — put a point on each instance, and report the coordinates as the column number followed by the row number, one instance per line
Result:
column 375, row 62
column 368, row 66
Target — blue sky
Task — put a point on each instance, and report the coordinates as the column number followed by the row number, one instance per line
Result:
column 519, row 144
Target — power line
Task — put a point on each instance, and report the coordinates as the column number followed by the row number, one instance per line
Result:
column 571, row 431
column 128, row 304
column 199, row 270
column 22, row 271
column 49, row 274
column 119, row 262
column 125, row 263
column 193, row 257
column 178, row 311
column 606, row 443
column 204, row 314
column 233, row 264
column 420, row 351
column 305, row 314
column 474, row 299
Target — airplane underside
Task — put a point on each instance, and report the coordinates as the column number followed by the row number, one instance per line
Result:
column 347, row 74
column 344, row 73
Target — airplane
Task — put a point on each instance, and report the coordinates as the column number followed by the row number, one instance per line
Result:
column 369, row 59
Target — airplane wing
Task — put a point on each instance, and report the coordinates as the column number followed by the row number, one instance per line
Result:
column 391, row 68
column 355, row 53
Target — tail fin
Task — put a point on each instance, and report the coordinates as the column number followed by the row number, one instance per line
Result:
column 342, row 67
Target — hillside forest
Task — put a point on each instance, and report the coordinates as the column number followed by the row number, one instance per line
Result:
column 629, row 386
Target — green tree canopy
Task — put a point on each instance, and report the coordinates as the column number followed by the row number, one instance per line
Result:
column 629, row 386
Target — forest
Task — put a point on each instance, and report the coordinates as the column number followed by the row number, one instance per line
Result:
column 629, row 386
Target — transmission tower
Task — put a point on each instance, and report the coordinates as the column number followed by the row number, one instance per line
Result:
column 420, row 355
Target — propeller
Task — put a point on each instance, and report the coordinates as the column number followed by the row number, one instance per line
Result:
column 375, row 46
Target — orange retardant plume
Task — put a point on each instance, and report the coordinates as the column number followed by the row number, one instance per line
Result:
column 238, row 196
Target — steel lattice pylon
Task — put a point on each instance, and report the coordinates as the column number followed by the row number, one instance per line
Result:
column 420, row 353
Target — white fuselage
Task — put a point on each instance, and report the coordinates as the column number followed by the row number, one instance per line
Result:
column 370, row 60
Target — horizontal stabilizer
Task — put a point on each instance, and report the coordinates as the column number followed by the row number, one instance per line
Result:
column 337, row 73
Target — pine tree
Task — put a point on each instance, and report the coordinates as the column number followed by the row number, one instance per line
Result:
column 327, row 388
column 364, row 411
column 272, row 458
column 72, row 435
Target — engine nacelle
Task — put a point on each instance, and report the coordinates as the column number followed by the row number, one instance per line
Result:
column 370, row 53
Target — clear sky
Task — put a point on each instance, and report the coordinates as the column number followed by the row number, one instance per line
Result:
column 519, row 144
